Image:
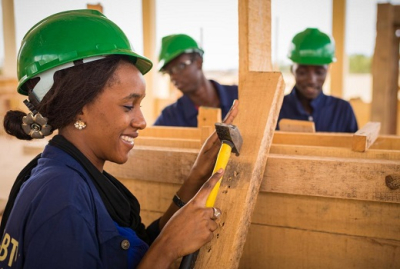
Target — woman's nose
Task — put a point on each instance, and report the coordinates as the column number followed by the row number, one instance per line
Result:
column 139, row 121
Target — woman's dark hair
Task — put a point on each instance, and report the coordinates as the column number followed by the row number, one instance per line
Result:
column 73, row 88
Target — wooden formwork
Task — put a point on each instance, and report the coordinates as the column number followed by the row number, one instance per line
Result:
column 321, row 204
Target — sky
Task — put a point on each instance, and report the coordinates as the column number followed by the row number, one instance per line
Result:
column 214, row 23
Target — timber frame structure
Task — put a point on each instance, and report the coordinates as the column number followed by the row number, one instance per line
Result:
column 291, row 200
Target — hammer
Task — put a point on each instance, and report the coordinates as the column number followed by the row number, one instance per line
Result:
column 232, row 141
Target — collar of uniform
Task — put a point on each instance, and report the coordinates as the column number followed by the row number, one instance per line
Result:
column 223, row 95
column 316, row 104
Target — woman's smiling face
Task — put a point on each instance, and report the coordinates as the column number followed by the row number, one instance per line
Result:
column 114, row 118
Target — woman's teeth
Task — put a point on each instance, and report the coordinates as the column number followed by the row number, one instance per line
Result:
column 127, row 139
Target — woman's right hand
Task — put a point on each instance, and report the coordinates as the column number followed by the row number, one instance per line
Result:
column 187, row 230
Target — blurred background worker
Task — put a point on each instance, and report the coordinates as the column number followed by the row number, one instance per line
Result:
column 311, row 52
column 182, row 59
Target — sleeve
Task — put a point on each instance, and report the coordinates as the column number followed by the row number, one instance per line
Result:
column 153, row 230
column 352, row 125
column 66, row 240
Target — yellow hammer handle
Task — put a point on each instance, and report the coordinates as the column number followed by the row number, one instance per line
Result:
column 222, row 160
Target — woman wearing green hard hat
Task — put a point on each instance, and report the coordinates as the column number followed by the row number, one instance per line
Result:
column 83, row 79
column 312, row 51
column 182, row 59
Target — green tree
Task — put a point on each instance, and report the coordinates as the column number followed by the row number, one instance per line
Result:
column 359, row 63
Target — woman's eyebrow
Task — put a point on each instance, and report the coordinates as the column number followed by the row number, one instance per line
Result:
column 132, row 96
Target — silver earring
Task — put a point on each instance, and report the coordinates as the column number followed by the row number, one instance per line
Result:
column 80, row 125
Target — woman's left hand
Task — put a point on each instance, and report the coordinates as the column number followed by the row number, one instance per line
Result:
column 207, row 156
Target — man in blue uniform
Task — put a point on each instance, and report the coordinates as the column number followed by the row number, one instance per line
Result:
column 182, row 59
column 311, row 52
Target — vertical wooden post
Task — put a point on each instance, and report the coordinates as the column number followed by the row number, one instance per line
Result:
column 149, row 48
column 385, row 68
column 10, row 48
column 260, row 96
column 208, row 116
column 338, row 32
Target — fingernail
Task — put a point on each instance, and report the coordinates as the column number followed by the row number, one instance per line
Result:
column 220, row 171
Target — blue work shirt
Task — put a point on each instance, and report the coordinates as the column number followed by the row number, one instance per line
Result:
column 59, row 221
column 184, row 113
column 330, row 114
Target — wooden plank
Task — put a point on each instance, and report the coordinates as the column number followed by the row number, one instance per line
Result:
column 329, row 215
column 151, row 163
column 332, row 177
column 290, row 231
column 342, row 140
column 255, row 36
column 208, row 116
column 288, row 125
column 345, row 178
column 302, row 249
column 365, row 137
column 373, row 154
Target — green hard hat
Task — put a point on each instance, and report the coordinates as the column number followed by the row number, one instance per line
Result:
column 174, row 45
column 312, row 47
column 68, row 36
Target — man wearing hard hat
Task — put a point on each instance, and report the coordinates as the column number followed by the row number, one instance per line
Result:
column 311, row 52
column 182, row 59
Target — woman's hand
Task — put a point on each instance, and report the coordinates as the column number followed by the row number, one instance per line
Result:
column 187, row 230
column 202, row 167
column 207, row 156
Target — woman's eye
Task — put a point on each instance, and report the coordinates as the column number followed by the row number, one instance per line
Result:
column 128, row 107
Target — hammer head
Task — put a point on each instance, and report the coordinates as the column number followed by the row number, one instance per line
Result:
column 231, row 134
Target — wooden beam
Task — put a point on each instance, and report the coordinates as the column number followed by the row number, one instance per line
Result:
column 255, row 49
column 385, row 69
column 342, row 140
column 332, row 177
column 300, row 150
column 149, row 50
column 338, row 68
column 288, row 125
column 335, row 177
column 366, row 136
